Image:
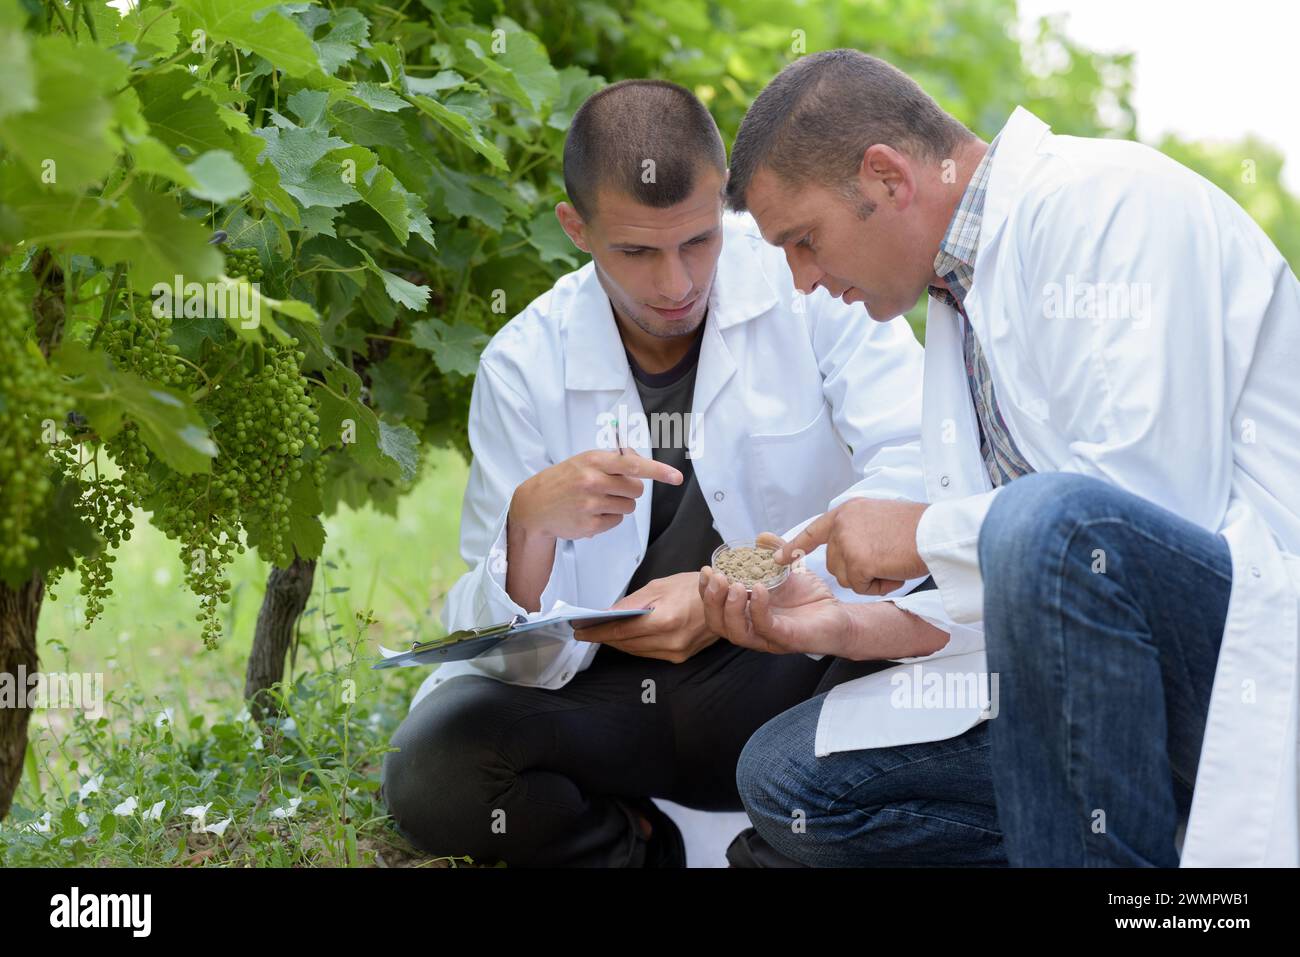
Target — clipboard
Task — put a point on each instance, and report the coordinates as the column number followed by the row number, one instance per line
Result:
column 472, row 642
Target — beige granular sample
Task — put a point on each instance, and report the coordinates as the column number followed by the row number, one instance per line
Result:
column 749, row 566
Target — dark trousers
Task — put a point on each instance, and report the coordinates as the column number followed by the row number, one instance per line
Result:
column 533, row 776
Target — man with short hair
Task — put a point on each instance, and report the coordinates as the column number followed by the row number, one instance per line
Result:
column 681, row 362
column 1111, row 437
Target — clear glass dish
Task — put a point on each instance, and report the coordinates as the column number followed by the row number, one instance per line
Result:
column 770, row 582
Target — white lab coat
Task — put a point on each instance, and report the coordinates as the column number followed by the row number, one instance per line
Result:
column 796, row 399
column 1193, row 403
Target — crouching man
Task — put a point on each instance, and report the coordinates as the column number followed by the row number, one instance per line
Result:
column 1111, row 442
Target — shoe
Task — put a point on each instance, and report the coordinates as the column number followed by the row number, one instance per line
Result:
column 748, row 849
column 665, row 848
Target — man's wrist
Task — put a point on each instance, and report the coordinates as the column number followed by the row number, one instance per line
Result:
column 882, row 630
column 519, row 527
column 864, row 629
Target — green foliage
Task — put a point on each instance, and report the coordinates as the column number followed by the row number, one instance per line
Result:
column 365, row 191
column 238, row 208
column 299, row 789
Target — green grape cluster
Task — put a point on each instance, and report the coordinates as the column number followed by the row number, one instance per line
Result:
column 243, row 262
column 31, row 397
column 105, row 504
column 140, row 342
column 265, row 425
column 267, row 431
column 206, row 525
column 270, row 423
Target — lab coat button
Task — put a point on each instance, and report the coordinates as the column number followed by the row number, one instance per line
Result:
column 1254, row 570
column 564, row 677
column 718, row 496
column 943, row 480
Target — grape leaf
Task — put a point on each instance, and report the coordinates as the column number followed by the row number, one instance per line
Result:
column 399, row 290
column 349, row 30
column 65, row 138
column 62, row 535
column 218, row 177
column 298, row 154
column 180, row 115
column 17, row 74
column 309, row 107
column 265, row 177
column 377, row 187
column 547, row 236
column 459, row 198
column 346, row 422
column 455, row 348
column 158, row 242
column 401, row 445
column 306, row 533
column 368, row 127
column 461, row 129
column 378, row 98
column 256, row 25
column 392, row 391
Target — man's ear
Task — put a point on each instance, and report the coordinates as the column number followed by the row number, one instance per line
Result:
column 573, row 225
column 890, row 171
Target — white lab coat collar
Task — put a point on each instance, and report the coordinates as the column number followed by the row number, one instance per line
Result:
column 1017, row 144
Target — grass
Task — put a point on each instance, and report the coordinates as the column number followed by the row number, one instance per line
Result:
column 300, row 790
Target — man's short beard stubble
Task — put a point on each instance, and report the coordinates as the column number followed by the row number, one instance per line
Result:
column 633, row 314
column 665, row 334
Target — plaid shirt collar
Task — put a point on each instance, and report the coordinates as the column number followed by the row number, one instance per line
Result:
column 955, row 263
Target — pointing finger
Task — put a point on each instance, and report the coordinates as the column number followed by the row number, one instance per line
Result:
column 814, row 536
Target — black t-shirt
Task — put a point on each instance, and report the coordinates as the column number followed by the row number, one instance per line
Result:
column 682, row 537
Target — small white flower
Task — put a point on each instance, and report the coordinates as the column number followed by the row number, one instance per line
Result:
column 257, row 745
column 164, row 717
column 289, row 725
column 127, row 807
column 200, row 814
column 39, row 826
column 283, row 812
column 243, row 716
column 155, row 812
column 83, row 819
column 91, row 786
column 220, row 827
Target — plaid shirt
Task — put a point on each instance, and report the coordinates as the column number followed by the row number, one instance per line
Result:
column 955, row 265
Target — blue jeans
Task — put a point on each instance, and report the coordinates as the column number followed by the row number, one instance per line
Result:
column 1103, row 614
column 917, row 805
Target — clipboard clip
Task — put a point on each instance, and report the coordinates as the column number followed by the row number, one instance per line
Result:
column 483, row 631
